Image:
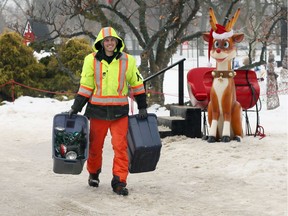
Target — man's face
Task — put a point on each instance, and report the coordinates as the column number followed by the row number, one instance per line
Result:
column 109, row 44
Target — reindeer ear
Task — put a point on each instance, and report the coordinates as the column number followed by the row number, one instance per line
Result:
column 206, row 36
column 238, row 37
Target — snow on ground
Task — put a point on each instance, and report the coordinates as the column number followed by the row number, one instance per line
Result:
column 192, row 177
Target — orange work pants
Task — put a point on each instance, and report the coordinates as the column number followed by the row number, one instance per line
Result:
column 98, row 131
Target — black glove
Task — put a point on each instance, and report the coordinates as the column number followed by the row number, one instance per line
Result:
column 71, row 112
column 142, row 113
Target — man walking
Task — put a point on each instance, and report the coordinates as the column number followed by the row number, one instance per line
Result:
column 108, row 74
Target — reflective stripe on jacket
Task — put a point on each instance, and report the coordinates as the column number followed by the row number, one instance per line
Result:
column 108, row 84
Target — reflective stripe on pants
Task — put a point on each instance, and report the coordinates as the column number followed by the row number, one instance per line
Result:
column 98, row 131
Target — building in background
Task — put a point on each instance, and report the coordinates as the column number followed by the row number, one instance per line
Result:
column 35, row 32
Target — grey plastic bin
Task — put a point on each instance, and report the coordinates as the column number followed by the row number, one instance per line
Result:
column 144, row 143
column 74, row 124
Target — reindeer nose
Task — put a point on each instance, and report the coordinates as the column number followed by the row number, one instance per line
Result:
column 218, row 50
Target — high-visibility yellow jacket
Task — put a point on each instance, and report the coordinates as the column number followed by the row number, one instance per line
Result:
column 105, row 82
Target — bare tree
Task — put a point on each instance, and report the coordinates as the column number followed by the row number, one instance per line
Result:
column 2, row 20
column 159, row 26
column 260, row 25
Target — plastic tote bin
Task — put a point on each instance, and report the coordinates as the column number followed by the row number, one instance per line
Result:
column 70, row 143
column 144, row 143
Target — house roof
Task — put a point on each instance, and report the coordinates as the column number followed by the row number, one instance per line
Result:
column 39, row 29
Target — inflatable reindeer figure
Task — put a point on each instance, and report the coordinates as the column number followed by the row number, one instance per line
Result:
column 224, row 112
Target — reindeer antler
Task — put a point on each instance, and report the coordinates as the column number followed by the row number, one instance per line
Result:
column 230, row 24
column 213, row 20
column 233, row 20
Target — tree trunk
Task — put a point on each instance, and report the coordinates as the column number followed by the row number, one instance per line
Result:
column 154, row 89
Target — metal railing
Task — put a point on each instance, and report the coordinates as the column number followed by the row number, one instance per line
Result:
column 180, row 64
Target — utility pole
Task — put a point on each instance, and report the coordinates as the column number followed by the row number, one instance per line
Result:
column 284, row 34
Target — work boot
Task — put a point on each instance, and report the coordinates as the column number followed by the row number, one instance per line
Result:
column 93, row 180
column 120, row 190
column 118, row 186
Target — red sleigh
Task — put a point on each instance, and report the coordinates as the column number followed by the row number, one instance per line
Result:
column 199, row 82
